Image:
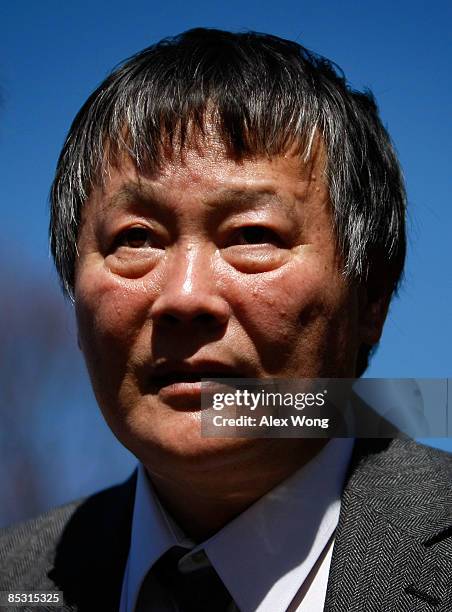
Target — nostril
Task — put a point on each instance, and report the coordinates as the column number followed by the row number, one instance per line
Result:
column 200, row 308
column 206, row 319
column 169, row 319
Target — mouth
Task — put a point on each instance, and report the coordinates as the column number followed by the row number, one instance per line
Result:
column 181, row 384
column 177, row 378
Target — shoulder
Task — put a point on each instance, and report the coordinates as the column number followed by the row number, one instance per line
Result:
column 67, row 547
column 404, row 483
column 29, row 548
column 384, row 462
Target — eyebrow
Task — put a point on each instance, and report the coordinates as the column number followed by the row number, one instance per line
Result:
column 233, row 199
column 128, row 194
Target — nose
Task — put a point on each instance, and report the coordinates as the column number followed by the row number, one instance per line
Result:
column 189, row 292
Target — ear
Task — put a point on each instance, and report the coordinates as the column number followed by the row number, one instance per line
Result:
column 374, row 306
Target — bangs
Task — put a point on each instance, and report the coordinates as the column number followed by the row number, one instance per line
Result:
column 150, row 147
column 153, row 109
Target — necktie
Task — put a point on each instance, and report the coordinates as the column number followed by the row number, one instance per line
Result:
column 198, row 590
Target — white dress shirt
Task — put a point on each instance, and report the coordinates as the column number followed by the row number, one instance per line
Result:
column 275, row 553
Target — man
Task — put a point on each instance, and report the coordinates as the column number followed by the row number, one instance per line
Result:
column 225, row 206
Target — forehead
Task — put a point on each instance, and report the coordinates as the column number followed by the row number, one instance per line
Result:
column 209, row 172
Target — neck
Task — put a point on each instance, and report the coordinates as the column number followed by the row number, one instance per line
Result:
column 203, row 500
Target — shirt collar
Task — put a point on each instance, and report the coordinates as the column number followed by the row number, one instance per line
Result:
column 153, row 533
column 264, row 554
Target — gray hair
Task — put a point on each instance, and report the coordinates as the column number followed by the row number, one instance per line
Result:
column 265, row 94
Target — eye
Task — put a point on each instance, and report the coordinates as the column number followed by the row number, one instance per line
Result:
column 253, row 249
column 256, row 234
column 134, row 238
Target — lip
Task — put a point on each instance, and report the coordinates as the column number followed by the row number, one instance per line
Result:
column 185, row 370
column 180, row 383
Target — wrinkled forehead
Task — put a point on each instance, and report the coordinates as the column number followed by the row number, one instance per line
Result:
column 205, row 142
column 205, row 164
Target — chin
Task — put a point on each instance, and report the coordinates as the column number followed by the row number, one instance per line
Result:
column 185, row 449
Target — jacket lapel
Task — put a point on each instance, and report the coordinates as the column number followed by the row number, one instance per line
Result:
column 393, row 548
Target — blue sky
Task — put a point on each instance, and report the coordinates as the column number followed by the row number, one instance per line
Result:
column 55, row 53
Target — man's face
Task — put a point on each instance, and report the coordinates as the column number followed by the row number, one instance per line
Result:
column 209, row 267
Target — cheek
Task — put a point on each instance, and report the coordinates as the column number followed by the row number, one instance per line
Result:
column 276, row 301
column 110, row 315
column 296, row 318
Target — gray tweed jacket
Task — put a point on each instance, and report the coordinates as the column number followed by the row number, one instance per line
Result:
column 392, row 553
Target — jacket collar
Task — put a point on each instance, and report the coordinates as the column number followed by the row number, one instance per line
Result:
column 393, row 542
